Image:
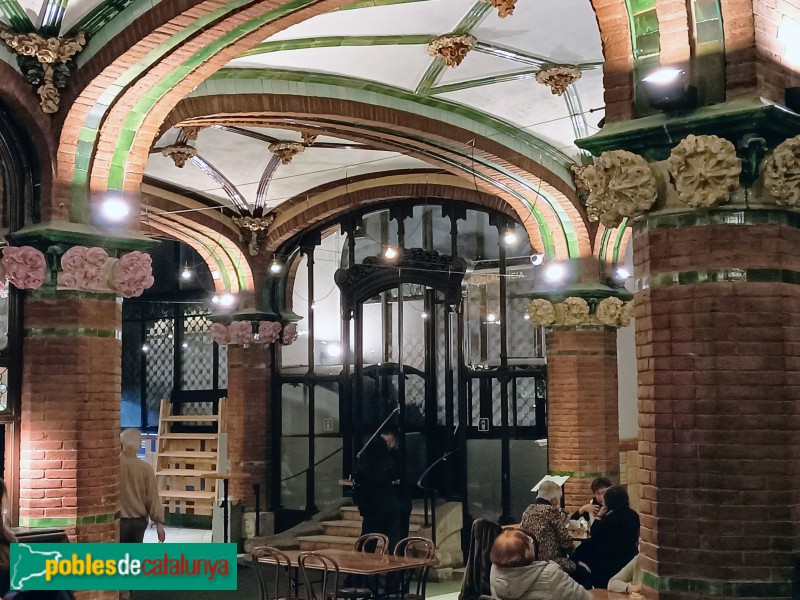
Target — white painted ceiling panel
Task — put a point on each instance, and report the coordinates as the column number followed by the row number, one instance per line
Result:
column 477, row 64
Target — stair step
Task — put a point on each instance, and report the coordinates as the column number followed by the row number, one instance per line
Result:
column 350, row 513
column 352, row 528
column 189, row 454
column 188, row 436
column 323, row 542
column 188, row 494
column 192, row 418
column 182, row 473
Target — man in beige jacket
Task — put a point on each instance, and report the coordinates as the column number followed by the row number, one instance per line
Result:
column 138, row 492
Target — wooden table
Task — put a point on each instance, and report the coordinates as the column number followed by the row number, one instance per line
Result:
column 606, row 595
column 359, row 563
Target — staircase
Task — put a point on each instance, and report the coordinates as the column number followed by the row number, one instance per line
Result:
column 182, row 459
column 344, row 532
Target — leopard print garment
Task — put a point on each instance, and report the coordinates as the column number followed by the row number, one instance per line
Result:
column 543, row 523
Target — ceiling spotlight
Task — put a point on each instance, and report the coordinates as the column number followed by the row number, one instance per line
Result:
column 114, row 210
column 491, row 317
column 424, row 315
column 537, row 259
column 215, row 275
column 215, row 299
column 510, row 237
column 668, row 89
column 555, row 273
column 390, row 253
column 275, row 266
column 186, row 274
column 227, row 300
column 622, row 274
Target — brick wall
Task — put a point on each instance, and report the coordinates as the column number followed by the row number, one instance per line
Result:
column 718, row 442
column 69, row 464
column 582, row 418
column 248, row 420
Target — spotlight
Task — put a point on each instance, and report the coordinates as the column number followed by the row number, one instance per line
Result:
column 622, row 274
column 491, row 317
column 424, row 315
column 215, row 299
column 227, row 300
column 526, row 317
column 275, row 266
column 537, row 259
column 186, row 274
column 114, row 210
column 555, row 273
column 184, row 345
column 510, row 237
column 668, row 89
column 390, row 253
column 145, row 348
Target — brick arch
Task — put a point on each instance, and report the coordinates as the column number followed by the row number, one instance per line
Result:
column 104, row 144
column 326, row 202
column 424, row 137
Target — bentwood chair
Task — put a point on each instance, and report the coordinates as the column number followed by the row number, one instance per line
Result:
column 369, row 543
column 415, row 547
column 282, row 565
column 326, row 588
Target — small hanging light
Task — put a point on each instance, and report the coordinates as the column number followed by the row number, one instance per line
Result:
column 275, row 266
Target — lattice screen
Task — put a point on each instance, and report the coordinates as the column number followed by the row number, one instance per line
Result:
column 197, row 354
column 159, row 343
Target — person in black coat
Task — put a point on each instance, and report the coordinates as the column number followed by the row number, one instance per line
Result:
column 614, row 537
column 379, row 493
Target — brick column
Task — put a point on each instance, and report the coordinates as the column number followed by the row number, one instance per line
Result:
column 582, row 417
column 70, row 421
column 717, row 330
column 248, row 420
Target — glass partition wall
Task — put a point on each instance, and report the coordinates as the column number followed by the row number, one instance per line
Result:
column 414, row 311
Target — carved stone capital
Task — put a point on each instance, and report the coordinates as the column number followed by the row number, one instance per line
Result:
column 574, row 311
column 241, row 332
column 179, row 153
column 705, row 170
column 46, row 63
column 453, row 48
column 309, row 138
column 622, row 185
column 504, row 7
column 191, row 132
column 782, row 173
column 24, row 266
column 558, row 77
column 253, row 231
column 286, row 151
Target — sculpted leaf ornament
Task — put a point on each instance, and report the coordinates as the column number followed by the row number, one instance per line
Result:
column 622, row 185
column 268, row 332
column 705, row 169
column 219, row 333
column 782, row 173
column 576, row 311
column 542, row 312
column 25, row 267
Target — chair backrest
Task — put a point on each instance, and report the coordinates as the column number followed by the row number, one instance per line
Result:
column 478, row 566
column 328, row 586
column 375, row 543
column 417, row 547
column 282, row 565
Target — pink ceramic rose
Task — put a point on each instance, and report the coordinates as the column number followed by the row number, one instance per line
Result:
column 84, row 268
column 25, row 267
column 240, row 332
column 268, row 332
column 289, row 334
column 219, row 333
column 133, row 274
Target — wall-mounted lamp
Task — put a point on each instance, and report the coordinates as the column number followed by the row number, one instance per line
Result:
column 668, row 89
column 275, row 266
column 390, row 253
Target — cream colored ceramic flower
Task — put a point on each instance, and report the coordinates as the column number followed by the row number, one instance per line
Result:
column 705, row 169
column 576, row 311
column 627, row 314
column 542, row 312
column 622, row 185
column 782, row 173
column 609, row 311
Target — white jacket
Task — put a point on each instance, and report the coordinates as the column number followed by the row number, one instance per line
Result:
column 539, row 581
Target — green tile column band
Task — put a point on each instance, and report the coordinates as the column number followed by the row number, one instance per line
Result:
column 72, row 332
column 585, row 474
column 578, row 352
column 670, row 279
column 718, row 587
column 68, row 521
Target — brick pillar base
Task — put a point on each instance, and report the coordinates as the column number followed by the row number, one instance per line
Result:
column 71, row 382
column 582, row 417
column 248, row 420
column 717, row 333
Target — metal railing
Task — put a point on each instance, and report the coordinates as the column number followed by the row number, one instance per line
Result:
column 432, row 493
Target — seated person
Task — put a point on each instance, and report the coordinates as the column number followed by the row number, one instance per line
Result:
column 627, row 581
column 517, row 575
column 544, row 522
column 589, row 510
column 614, row 537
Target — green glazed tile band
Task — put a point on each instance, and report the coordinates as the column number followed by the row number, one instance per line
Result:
column 68, row 521
column 669, row 279
column 585, row 474
column 51, row 292
column 580, row 353
column 718, row 587
column 718, row 216
column 73, row 332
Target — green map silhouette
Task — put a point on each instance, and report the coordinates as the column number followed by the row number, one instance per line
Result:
column 28, row 563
